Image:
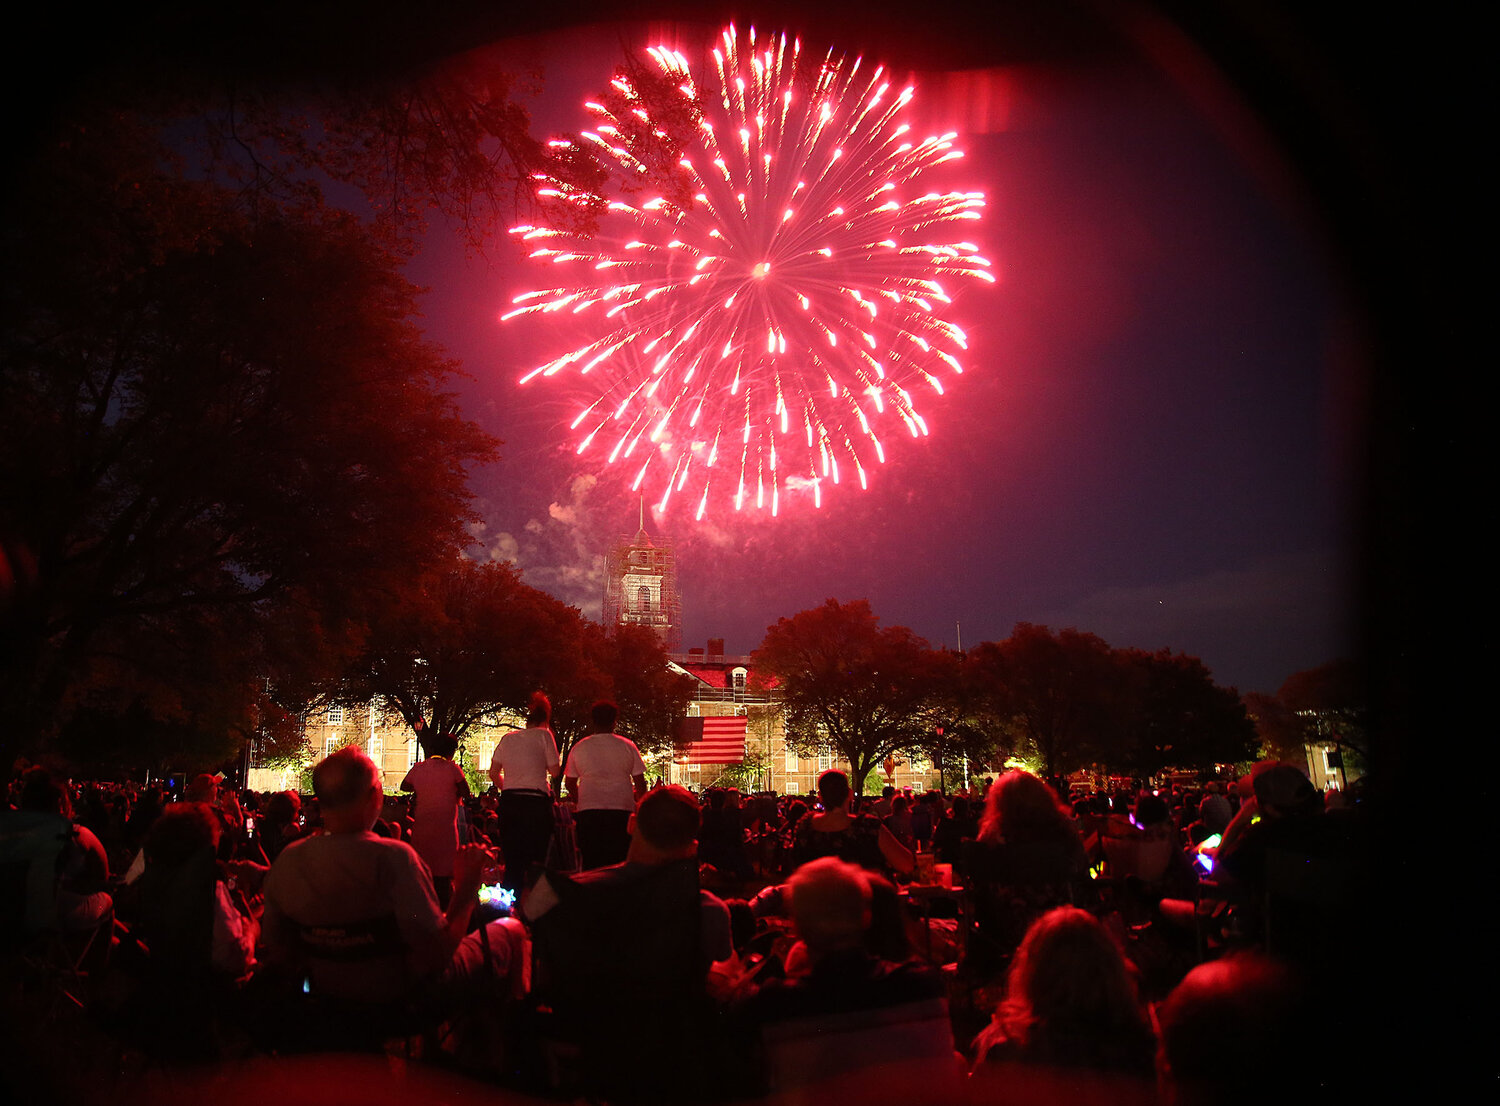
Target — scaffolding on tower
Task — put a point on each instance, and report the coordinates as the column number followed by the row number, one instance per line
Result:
column 640, row 587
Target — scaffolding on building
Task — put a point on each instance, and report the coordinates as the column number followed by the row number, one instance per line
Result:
column 640, row 587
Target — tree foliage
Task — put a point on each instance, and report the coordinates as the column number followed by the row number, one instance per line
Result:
column 460, row 642
column 1335, row 686
column 224, row 414
column 1330, row 702
column 963, row 723
column 1073, row 700
column 471, row 639
column 1177, row 717
column 1059, row 694
column 452, row 138
column 1281, row 734
column 849, row 684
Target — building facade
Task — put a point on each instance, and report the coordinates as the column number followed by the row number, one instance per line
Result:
column 381, row 734
column 725, row 686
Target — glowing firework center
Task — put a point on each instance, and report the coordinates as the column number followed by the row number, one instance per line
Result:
column 758, row 338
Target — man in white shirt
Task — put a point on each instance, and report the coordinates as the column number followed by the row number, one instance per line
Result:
column 606, row 776
column 524, row 768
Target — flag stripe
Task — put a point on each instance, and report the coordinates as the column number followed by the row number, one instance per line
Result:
column 719, row 739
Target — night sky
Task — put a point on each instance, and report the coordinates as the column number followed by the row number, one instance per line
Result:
column 1163, row 434
column 1153, row 439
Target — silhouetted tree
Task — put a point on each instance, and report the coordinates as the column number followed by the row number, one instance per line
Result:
column 1281, row 733
column 222, row 414
column 1060, row 693
column 1175, row 716
column 1331, row 700
column 847, row 683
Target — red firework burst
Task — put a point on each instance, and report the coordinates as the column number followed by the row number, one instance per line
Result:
column 752, row 337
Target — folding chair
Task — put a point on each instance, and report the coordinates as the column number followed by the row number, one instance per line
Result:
column 31, row 850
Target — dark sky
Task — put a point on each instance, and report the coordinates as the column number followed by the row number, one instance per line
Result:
column 1161, row 436
column 1153, row 439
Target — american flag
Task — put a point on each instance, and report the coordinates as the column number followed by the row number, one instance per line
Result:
column 716, row 740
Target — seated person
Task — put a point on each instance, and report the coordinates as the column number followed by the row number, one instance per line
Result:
column 849, row 1009
column 1027, row 859
column 950, row 832
column 1234, row 1032
column 623, row 952
column 1070, row 1005
column 721, row 837
column 279, row 825
column 1145, row 848
column 859, row 839
column 83, row 904
column 353, row 916
column 1214, row 810
column 187, row 914
column 1297, row 872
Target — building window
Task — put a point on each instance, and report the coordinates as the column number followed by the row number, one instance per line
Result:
column 737, row 679
column 643, row 598
column 335, row 716
column 411, row 751
column 791, row 759
column 825, row 759
column 375, row 749
column 330, row 743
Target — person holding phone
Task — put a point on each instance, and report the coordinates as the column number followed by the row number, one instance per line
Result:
column 354, row 915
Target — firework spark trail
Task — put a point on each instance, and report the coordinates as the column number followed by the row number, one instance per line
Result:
column 756, row 342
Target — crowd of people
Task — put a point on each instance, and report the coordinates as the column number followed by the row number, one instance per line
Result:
column 575, row 932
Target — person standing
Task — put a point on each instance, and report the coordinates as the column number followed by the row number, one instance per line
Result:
column 606, row 776
column 438, row 786
column 524, row 768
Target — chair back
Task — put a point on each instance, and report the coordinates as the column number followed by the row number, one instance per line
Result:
column 31, row 846
column 1141, row 855
column 806, row 1050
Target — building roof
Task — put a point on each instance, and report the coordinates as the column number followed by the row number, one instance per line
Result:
column 715, row 671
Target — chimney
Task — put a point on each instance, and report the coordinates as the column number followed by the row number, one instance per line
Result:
column 696, row 652
column 715, row 647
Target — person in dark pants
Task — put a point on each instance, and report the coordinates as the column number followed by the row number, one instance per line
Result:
column 524, row 767
column 605, row 775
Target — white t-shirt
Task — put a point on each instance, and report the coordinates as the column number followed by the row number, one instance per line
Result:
column 526, row 758
column 604, row 765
